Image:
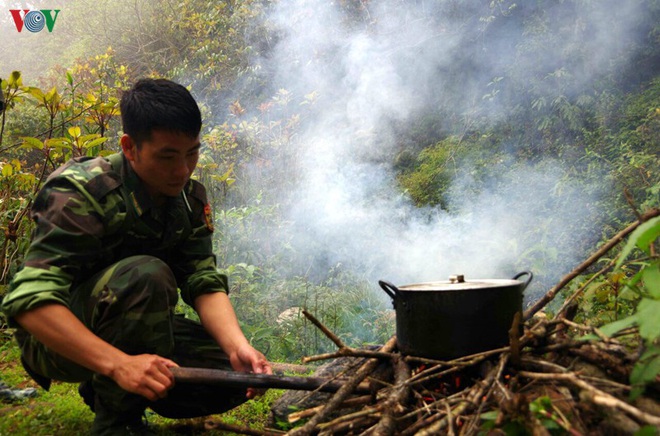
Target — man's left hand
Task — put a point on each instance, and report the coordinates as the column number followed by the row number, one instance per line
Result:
column 248, row 359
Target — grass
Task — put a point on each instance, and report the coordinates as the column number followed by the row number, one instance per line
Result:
column 61, row 411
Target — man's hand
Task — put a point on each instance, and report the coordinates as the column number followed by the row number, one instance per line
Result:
column 248, row 359
column 148, row 375
column 219, row 319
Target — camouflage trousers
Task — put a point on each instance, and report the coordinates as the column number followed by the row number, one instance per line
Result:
column 131, row 306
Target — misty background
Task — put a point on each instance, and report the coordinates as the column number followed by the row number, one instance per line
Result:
column 419, row 59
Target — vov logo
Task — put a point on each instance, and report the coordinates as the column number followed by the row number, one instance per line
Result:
column 34, row 21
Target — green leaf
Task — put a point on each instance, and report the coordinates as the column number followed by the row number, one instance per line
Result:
column 36, row 93
column 105, row 153
column 53, row 96
column 33, row 143
column 95, row 142
column 614, row 327
column 649, row 430
column 645, row 370
column 541, row 404
column 642, row 237
column 648, row 319
column 15, row 80
column 651, row 277
column 74, row 131
column 7, row 170
column 88, row 137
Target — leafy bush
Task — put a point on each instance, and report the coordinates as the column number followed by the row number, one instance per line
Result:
column 645, row 282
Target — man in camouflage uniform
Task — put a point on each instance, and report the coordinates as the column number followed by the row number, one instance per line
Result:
column 116, row 240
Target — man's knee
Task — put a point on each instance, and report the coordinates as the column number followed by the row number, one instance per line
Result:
column 144, row 277
column 134, row 306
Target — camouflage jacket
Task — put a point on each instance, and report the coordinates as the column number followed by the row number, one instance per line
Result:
column 91, row 213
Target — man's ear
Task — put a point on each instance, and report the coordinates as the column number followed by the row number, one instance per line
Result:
column 128, row 147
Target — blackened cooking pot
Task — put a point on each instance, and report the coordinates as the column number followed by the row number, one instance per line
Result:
column 446, row 320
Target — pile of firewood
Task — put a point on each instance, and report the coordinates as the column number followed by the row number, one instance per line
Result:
column 585, row 383
column 550, row 379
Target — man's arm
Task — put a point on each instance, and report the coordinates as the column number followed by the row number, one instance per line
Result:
column 219, row 319
column 57, row 327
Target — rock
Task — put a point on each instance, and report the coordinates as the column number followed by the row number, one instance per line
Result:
column 9, row 395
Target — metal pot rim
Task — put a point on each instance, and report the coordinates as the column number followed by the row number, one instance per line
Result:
column 459, row 286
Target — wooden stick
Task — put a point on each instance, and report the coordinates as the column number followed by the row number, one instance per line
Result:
column 334, row 338
column 212, row 424
column 550, row 295
column 455, row 365
column 279, row 368
column 344, row 351
column 351, row 402
column 395, row 403
column 595, row 395
column 368, row 412
column 220, row 377
column 514, row 339
column 350, row 426
column 349, row 352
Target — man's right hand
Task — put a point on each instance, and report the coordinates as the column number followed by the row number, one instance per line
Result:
column 148, row 375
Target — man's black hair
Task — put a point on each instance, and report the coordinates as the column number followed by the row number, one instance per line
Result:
column 159, row 104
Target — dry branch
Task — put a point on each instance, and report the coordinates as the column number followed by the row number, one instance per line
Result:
column 225, row 378
column 349, row 352
column 343, row 351
column 349, row 403
column 334, row 338
column 396, row 402
column 219, row 425
column 596, row 396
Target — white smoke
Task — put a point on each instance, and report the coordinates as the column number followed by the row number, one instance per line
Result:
column 347, row 202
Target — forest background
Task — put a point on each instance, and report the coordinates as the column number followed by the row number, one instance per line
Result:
column 351, row 141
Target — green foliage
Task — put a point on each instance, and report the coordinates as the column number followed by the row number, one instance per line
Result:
column 41, row 130
column 429, row 181
column 74, row 144
column 15, row 185
column 540, row 409
column 646, row 283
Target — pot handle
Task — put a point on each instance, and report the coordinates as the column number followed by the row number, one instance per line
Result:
column 389, row 289
column 520, row 274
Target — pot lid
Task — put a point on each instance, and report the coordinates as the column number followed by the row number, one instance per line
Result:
column 458, row 282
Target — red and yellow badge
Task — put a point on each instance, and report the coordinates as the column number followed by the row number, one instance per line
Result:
column 208, row 217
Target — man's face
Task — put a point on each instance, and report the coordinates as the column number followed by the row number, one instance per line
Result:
column 164, row 163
